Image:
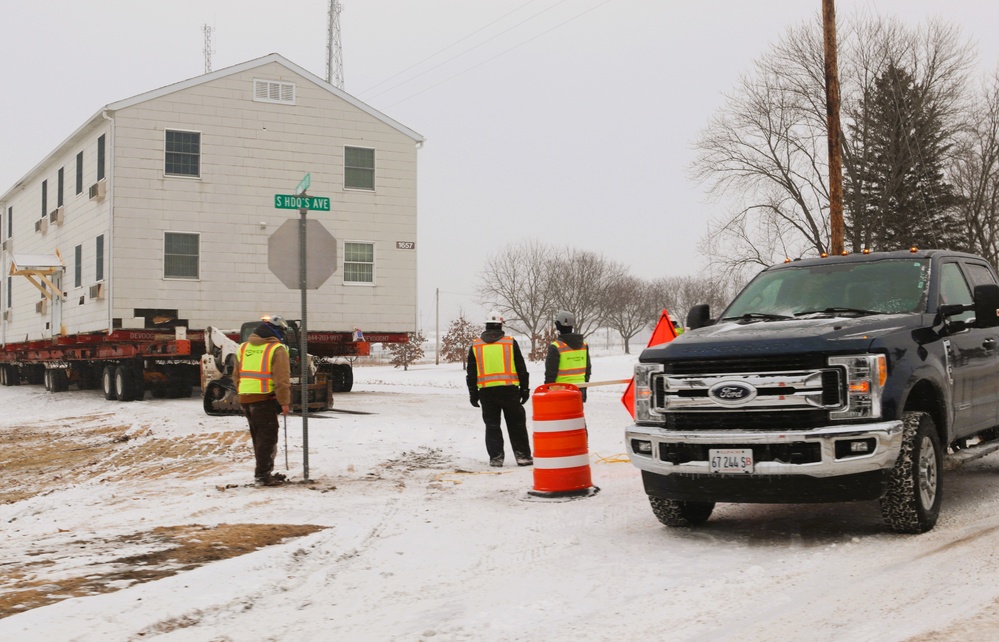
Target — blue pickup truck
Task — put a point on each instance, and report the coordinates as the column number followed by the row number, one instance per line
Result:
column 842, row 378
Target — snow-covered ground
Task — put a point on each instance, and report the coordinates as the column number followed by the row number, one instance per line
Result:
column 422, row 540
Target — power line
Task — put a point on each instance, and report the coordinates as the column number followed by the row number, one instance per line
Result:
column 457, row 42
column 504, row 52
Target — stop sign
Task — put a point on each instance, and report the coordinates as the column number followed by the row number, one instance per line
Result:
column 283, row 254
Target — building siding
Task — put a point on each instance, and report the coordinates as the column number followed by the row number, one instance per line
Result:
column 250, row 151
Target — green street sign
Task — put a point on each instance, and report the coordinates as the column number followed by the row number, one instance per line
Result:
column 304, row 184
column 292, row 202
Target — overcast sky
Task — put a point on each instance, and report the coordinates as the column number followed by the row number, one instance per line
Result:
column 567, row 121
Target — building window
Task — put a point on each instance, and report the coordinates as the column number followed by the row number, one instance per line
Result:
column 270, row 91
column 45, row 198
column 183, row 154
column 180, row 255
column 358, row 262
column 99, row 258
column 79, row 173
column 78, row 266
column 59, row 187
column 100, row 157
column 358, row 168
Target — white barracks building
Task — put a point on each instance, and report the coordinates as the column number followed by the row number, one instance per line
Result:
column 157, row 211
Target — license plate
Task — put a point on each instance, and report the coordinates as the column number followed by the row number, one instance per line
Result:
column 730, row 460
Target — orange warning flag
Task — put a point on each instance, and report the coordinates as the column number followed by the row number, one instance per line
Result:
column 664, row 332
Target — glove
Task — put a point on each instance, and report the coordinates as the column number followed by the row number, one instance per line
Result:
column 473, row 399
column 524, row 395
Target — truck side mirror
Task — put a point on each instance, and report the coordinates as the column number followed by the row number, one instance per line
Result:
column 699, row 316
column 987, row 305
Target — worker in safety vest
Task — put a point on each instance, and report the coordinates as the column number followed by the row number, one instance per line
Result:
column 568, row 358
column 263, row 380
column 497, row 378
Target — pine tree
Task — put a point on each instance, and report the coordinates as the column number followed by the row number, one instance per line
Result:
column 456, row 341
column 404, row 354
column 897, row 196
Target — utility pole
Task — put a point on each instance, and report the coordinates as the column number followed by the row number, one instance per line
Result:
column 208, row 48
column 334, row 48
column 833, row 129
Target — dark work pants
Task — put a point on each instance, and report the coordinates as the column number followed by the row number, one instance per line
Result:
column 263, row 419
column 505, row 400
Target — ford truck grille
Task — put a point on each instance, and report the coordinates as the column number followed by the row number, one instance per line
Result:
column 729, row 394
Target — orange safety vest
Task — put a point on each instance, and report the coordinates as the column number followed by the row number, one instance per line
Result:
column 494, row 363
column 571, row 363
column 255, row 368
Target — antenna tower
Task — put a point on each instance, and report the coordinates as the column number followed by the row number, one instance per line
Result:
column 334, row 50
column 208, row 48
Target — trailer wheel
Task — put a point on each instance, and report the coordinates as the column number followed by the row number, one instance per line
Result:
column 48, row 380
column 124, row 383
column 13, row 376
column 58, row 381
column 3, row 376
column 107, row 383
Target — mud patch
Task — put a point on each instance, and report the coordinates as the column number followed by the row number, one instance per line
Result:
column 39, row 458
column 44, row 576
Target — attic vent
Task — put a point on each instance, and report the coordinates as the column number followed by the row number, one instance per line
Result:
column 270, row 91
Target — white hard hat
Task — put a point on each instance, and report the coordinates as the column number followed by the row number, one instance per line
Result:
column 494, row 317
column 565, row 318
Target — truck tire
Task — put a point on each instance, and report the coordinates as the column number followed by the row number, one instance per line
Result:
column 58, row 380
column 107, row 383
column 911, row 503
column 48, row 380
column 674, row 512
column 348, row 377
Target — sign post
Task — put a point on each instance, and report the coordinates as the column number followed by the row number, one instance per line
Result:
column 279, row 248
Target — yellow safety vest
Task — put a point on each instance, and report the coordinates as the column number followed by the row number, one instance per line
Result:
column 255, row 368
column 494, row 363
column 571, row 363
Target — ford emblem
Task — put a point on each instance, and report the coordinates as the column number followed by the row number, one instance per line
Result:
column 732, row 393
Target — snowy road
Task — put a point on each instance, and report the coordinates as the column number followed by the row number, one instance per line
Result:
column 423, row 541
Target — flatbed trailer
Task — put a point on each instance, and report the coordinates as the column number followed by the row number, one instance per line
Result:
column 125, row 364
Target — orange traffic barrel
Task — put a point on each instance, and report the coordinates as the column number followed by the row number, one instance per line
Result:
column 561, row 459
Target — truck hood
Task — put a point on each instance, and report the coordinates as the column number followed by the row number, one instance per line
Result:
column 794, row 336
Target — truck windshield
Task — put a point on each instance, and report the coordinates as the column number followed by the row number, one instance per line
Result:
column 894, row 286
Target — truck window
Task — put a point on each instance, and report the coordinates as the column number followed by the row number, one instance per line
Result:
column 979, row 274
column 886, row 287
column 954, row 289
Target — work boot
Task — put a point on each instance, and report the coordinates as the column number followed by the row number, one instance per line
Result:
column 271, row 480
column 496, row 462
column 525, row 461
column 279, row 476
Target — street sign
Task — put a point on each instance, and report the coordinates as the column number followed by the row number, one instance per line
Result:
column 303, row 184
column 320, row 254
column 292, row 202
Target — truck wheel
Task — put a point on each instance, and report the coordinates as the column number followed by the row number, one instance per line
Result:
column 59, row 380
column 911, row 503
column 673, row 512
column 48, row 380
column 107, row 383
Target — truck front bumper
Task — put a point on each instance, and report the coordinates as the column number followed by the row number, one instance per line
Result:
column 829, row 468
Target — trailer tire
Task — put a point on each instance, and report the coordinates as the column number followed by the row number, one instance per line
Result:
column 348, row 377
column 107, row 383
column 58, row 381
column 12, row 376
column 124, row 384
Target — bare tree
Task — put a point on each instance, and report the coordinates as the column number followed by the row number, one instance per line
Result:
column 975, row 173
column 579, row 280
column 516, row 282
column 766, row 148
column 630, row 304
column 678, row 294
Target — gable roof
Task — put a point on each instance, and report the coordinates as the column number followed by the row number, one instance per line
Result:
column 209, row 77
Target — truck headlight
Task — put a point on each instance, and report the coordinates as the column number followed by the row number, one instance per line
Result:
column 644, row 394
column 865, row 380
